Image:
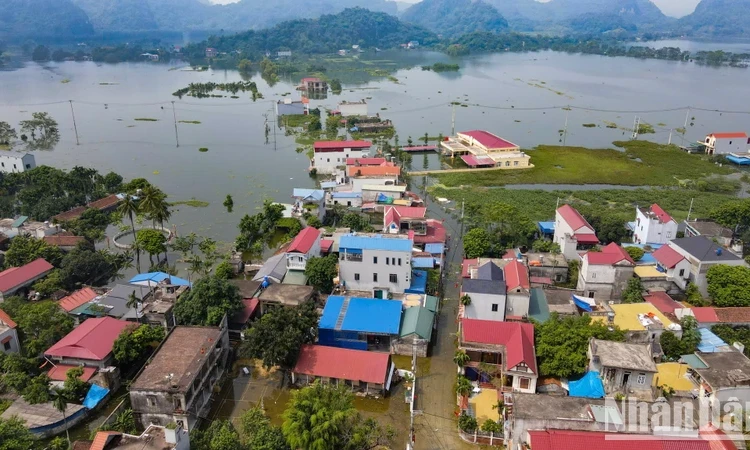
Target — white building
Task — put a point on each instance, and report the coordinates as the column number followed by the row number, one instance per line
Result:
column 572, row 232
column 377, row 263
column 702, row 253
column 725, row 143
column 16, row 163
column 304, row 246
column 673, row 264
column 604, row 275
column 330, row 155
column 488, row 294
column 8, row 335
column 653, row 226
column 353, row 108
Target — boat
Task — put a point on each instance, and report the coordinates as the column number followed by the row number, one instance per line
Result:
column 739, row 159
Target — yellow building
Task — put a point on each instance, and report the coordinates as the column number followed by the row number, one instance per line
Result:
column 638, row 317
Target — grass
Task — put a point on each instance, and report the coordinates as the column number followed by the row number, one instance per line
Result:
column 193, row 122
column 192, row 202
column 589, row 125
column 145, row 119
column 641, row 163
column 296, row 120
column 203, row 149
column 404, row 362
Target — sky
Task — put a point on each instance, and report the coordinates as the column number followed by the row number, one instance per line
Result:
column 674, row 8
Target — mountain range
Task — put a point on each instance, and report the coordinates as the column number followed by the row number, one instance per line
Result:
column 65, row 19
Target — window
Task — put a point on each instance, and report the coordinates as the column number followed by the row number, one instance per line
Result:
column 28, row 166
column 374, row 259
column 593, row 275
column 328, row 159
column 6, row 346
column 515, row 163
column 399, row 261
column 393, row 278
column 507, row 163
column 682, row 272
column 387, row 261
column 356, row 277
column 494, row 307
column 524, row 382
column 151, row 399
column 3, row 164
column 641, row 378
column 669, row 234
column 375, row 278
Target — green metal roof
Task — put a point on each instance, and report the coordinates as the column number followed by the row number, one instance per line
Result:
column 693, row 361
column 538, row 307
column 20, row 221
column 417, row 320
column 431, row 303
column 295, row 277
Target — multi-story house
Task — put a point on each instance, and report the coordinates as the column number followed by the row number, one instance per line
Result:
column 304, row 246
column 702, row 253
column 572, row 232
column 377, row 263
column 604, row 275
column 653, row 226
column 330, row 155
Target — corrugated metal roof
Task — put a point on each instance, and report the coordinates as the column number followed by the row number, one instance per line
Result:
column 368, row 315
column 92, row 340
column 377, row 242
column 304, row 240
column 419, row 321
column 423, row 262
column 17, row 276
column 274, row 268
column 308, row 194
column 20, row 221
column 343, row 364
column 538, row 306
column 574, row 219
column 435, row 249
column 516, row 337
column 667, row 256
column 77, row 299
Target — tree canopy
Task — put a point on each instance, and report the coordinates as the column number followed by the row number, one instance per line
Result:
column 633, row 292
column 674, row 347
column 729, row 285
column 135, row 341
column 14, row 435
column 40, row 324
column 207, row 302
column 320, row 272
column 25, row 249
column 476, row 243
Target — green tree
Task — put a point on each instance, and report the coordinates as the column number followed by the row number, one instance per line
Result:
column 258, row 433
column 37, row 391
column 729, row 285
column 207, row 302
column 220, row 435
column 635, row 252
column 91, row 267
column 152, row 242
column 25, row 249
column 476, row 243
column 633, row 292
column 335, row 85
column 74, row 388
column 490, row 426
column 50, row 284
column 14, row 435
column 694, row 296
column 320, row 272
column 92, row 224
column 229, row 203
column 276, row 338
column 41, row 53
column 465, row 300
column 7, row 133
column 129, row 208
column 40, row 324
column 561, row 343
column 545, row 246
column 112, row 182
column 245, row 65
column 461, row 358
column 467, row 423
column 318, row 416
column 463, row 386
column 134, row 342
column 314, row 125
column 224, row 270
column 670, row 345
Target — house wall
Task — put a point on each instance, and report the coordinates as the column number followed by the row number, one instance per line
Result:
column 567, row 244
column 680, row 274
column 556, row 274
column 607, row 282
column 517, row 304
column 612, row 377
column 353, row 109
column 481, row 306
column 368, row 267
column 13, row 345
column 357, row 183
column 651, row 231
column 298, row 261
column 730, row 145
column 510, row 162
column 327, row 162
column 699, row 268
column 16, row 164
column 351, row 201
column 108, row 361
column 407, row 345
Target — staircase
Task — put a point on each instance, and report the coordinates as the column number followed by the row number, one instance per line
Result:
column 342, row 314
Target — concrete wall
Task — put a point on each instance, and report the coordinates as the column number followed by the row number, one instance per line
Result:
column 557, row 274
column 12, row 346
column 607, row 282
column 651, row 231
column 406, row 346
column 517, row 305
column 517, row 161
column 367, row 267
column 353, row 109
column 481, row 307
column 16, row 163
column 327, row 162
column 732, row 145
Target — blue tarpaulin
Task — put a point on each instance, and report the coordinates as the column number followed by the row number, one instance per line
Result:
column 590, row 386
column 95, row 395
column 584, row 303
column 418, row 282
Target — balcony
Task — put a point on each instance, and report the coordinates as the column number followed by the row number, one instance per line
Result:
column 296, row 265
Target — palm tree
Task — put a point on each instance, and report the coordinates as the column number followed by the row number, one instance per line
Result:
column 465, row 300
column 461, row 358
column 61, row 404
column 133, row 302
column 150, row 196
column 463, row 386
column 129, row 208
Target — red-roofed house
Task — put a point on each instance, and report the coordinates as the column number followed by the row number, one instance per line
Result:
column 359, row 162
column 329, row 155
column 16, row 278
column 653, row 226
column 401, row 219
column 481, row 148
column 304, row 246
column 704, row 315
column 605, row 274
column 663, row 302
column 357, row 369
column 673, row 264
column 64, row 241
column 725, row 143
column 580, row 440
column 518, row 288
column 573, row 232
column 60, row 372
column 77, row 298
column 90, row 344
column 435, row 234
column 8, row 335
column 507, row 345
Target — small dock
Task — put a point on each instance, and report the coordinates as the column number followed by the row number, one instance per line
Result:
column 419, row 148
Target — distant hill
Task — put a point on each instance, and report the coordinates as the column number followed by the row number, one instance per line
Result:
column 451, row 18
column 327, row 34
column 718, row 18
column 42, row 18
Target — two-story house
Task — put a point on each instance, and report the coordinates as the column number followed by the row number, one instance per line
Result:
column 506, row 346
column 487, row 293
column 518, row 289
column 328, row 156
column 88, row 345
column 572, row 232
column 702, row 253
column 604, row 275
column 670, row 262
column 176, row 386
column 653, row 226
column 725, row 143
column 304, row 246
column 376, row 263
column 8, row 335
column 623, row 367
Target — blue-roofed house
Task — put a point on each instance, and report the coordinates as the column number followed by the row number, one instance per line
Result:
column 345, row 198
column 153, row 278
column 304, row 197
column 360, row 323
column 381, row 264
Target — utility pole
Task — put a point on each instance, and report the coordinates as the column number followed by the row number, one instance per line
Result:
column 670, row 137
column 453, row 119
column 565, row 130
column 275, row 123
column 463, row 209
column 412, row 413
column 690, row 211
column 75, row 127
column 687, row 115
column 176, row 134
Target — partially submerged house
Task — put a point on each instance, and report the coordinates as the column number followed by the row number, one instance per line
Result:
column 623, row 367
column 572, row 232
column 360, row 323
column 176, row 386
column 479, row 148
column 17, row 280
column 360, row 371
column 604, row 275
column 328, row 156
column 726, row 143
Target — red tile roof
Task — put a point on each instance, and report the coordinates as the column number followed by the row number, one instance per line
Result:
column 585, row 440
column 18, row 276
column 729, row 135
column 488, row 139
column 662, row 302
column 60, row 372
column 340, row 145
column 77, row 299
column 325, row 245
column 106, row 202
column 364, row 161
column 69, row 215
column 342, row 363
column 467, row 265
column 63, row 241
column 249, row 305
column 6, row 320
column 733, row 315
column 516, row 337
column 586, row 238
column 705, row 314
column 92, row 340
column 516, row 276
column 574, row 219
column 103, row 438
column 436, row 233
column 667, row 256
column 610, row 255
column 304, row 241
column 661, row 214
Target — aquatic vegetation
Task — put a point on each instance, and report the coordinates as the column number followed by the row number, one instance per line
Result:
column 193, row 122
column 203, row 149
column 145, row 119
column 589, row 125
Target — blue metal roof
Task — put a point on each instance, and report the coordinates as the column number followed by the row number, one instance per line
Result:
column 423, row 262
column 418, row 282
column 157, row 277
column 377, row 242
column 710, row 343
column 313, row 194
column 435, row 249
column 328, row 184
column 346, row 195
column 547, row 227
column 367, row 315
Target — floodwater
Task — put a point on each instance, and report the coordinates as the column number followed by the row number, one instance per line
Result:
column 522, row 98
